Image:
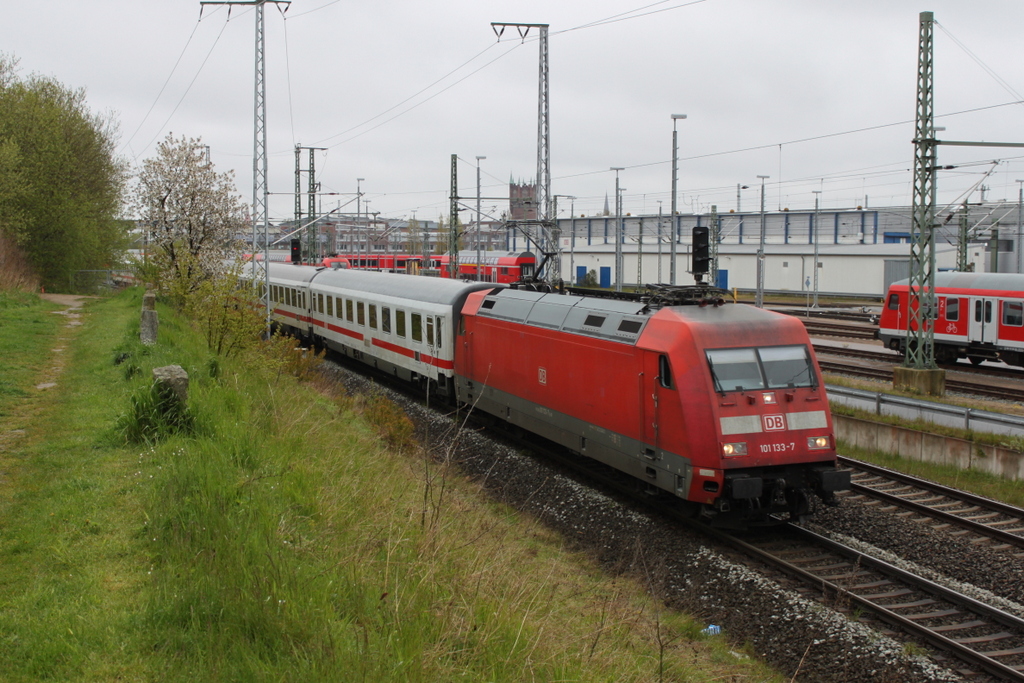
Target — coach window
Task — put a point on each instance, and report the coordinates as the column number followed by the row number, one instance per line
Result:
column 349, row 307
column 373, row 316
column 385, row 320
column 894, row 301
column 1013, row 313
column 330, row 306
column 360, row 318
column 952, row 309
column 430, row 331
column 338, row 306
column 664, row 371
column 400, row 323
column 288, row 297
column 320, row 302
column 417, row 327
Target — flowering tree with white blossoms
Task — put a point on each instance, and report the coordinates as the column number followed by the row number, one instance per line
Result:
column 193, row 214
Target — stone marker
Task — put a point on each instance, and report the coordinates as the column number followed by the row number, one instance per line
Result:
column 174, row 380
column 149, row 301
column 148, row 327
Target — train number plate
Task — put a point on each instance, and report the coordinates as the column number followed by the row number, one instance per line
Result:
column 774, row 423
column 778, row 447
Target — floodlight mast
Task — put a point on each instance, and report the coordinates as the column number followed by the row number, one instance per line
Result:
column 673, row 219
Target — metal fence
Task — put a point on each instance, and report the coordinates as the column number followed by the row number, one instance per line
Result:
column 938, row 413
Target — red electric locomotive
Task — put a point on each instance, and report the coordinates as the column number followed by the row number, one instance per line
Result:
column 721, row 405
column 980, row 316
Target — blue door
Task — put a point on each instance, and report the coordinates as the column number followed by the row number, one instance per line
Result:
column 723, row 279
column 606, row 276
column 581, row 274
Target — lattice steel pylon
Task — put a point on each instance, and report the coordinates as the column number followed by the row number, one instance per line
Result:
column 260, row 192
column 453, row 222
column 922, row 305
column 545, row 221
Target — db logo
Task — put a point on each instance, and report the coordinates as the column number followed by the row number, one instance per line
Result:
column 773, row 423
column 542, row 375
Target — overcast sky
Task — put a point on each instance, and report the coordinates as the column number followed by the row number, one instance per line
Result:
column 394, row 87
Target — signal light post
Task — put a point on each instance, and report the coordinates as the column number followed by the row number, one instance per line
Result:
column 701, row 237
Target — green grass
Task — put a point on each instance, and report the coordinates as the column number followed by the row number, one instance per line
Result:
column 28, row 327
column 285, row 537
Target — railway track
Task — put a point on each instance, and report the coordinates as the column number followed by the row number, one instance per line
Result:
column 987, row 639
column 978, row 388
column 830, row 328
column 983, row 517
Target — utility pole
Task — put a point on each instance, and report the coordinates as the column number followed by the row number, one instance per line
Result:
column 359, row 213
column 659, row 241
column 311, row 231
column 478, row 216
column 618, row 231
column 962, row 240
column 1020, row 219
column 673, row 219
column 817, row 216
column 759, row 294
column 640, row 253
column 453, row 222
column 542, row 189
column 714, row 228
column 260, row 192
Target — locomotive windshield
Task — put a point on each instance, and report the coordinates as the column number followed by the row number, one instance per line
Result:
column 766, row 367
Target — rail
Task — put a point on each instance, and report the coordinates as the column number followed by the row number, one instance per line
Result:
column 938, row 413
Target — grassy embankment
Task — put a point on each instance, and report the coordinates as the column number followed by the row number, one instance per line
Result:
column 288, row 536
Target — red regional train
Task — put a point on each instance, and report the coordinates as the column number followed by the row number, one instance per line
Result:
column 720, row 405
column 980, row 317
column 503, row 267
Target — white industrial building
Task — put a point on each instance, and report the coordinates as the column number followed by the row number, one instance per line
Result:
column 860, row 250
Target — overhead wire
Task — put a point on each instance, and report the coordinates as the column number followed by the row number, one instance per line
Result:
column 127, row 143
column 187, row 89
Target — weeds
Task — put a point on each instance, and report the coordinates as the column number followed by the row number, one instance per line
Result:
column 154, row 414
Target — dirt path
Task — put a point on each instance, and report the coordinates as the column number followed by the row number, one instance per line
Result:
column 14, row 425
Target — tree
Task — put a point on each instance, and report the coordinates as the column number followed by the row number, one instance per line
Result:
column 60, row 183
column 192, row 213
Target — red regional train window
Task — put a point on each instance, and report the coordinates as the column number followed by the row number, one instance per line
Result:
column 373, row 316
column 417, row 327
column 400, row 323
column 894, row 302
column 952, row 309
column 385, row 320
column 664, row 371
column 1013, row 313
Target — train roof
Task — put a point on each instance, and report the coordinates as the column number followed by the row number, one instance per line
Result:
column 621, row 321
column 413, row 287
column 994, row 281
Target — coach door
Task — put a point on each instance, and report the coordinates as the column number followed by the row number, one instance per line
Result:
column 984, row 325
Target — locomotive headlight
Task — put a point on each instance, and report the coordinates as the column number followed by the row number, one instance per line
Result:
column 768, row 397
column 734, row 449
column 817, row 442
